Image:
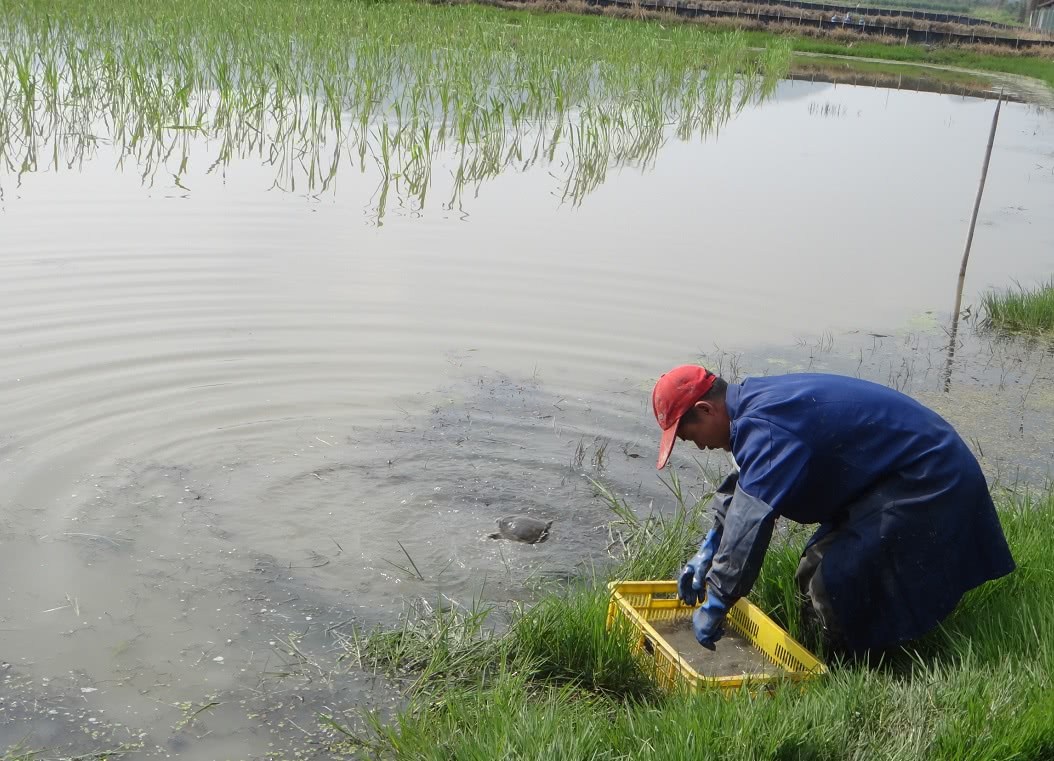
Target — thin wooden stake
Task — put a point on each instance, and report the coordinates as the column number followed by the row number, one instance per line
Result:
column 953, row 335
column 976, row 206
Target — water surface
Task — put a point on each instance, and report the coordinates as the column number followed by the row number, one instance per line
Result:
column 226, row 403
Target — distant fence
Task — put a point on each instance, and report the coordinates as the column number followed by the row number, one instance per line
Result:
column 945, row 18
column 860, row 25
column 1043, row 18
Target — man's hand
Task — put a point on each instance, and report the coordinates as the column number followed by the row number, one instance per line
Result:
column 690, row 583
column 709, row 621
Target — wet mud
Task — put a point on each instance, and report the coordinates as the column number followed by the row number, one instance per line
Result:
column 734, row 655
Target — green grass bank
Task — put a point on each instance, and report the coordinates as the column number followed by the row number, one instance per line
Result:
column 1023, row 65
column 1028, row 66
column 1021, row 310
column 555, row 685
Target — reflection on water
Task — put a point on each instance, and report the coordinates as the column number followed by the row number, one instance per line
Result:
column 166, row 100
column 901, row 77
column 827, row 110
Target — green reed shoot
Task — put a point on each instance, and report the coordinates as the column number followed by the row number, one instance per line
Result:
column 1021, row 310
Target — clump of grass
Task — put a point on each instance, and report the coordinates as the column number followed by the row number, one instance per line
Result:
column 446, row 646
column 1021, row 310
column 655, row 546
column 980, row 687
column 564, row 640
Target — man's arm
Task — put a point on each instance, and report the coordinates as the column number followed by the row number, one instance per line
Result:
column 691, row 585
column 747, row 530
column 722, row 499
column 773, row 465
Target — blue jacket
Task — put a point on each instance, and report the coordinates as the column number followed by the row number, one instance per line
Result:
column 917, row 527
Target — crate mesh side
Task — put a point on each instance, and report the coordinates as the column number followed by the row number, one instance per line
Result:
column 654, row 606
column 749, row 628
column 788, row 661
column 640, row 603
column 742, row 623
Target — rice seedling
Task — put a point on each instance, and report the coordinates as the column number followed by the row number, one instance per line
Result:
column 980, row 687
column 1020, row 309
column 306, row 87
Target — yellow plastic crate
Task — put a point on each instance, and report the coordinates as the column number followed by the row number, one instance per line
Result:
column 641, row 602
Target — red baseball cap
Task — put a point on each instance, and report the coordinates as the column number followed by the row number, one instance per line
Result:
column 674, row 394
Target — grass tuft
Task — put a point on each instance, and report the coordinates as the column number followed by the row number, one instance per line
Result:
column 1021, row 310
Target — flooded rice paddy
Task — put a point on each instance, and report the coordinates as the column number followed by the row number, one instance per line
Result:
column 247, row 404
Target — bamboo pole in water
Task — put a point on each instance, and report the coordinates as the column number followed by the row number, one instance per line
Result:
column 954, row 334
column 976, row 206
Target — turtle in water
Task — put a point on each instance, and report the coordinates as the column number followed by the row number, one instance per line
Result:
column 522, row 528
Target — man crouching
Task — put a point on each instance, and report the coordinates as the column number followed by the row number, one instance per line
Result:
column 907, row 525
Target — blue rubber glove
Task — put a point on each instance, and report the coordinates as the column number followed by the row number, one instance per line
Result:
column 693, row 577
column 709, row 621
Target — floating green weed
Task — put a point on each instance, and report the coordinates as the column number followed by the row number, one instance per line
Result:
column 307, row 87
